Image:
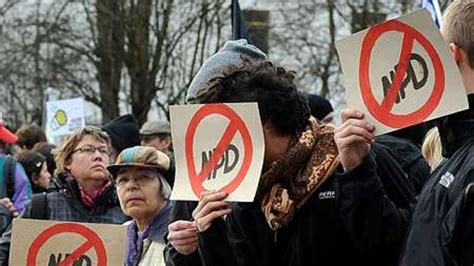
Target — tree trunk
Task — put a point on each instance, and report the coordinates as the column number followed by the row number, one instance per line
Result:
column 110, row 42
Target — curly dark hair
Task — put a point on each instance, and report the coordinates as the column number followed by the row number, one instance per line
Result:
column 279, row 101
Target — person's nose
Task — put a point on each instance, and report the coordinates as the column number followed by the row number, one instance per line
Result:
column 97, row 155
column 132, row 184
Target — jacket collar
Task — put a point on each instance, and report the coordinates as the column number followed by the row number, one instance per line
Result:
column 457, row 129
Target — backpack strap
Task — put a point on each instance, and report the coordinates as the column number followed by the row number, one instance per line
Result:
column 39, row 206
column 9, row 188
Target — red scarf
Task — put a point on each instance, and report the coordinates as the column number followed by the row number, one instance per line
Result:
column 88, row 198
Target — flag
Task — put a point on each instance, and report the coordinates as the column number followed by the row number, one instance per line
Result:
column 239, row 27
column 433, row 8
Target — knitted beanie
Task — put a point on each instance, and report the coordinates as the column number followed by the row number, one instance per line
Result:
column 229, row 54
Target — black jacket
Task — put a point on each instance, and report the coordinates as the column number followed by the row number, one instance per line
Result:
column 408, row 155
column 319, row 232
column 373, row 211
column 315, row 236
column 435, row 237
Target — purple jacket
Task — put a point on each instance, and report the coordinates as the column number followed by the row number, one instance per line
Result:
column 22, row 187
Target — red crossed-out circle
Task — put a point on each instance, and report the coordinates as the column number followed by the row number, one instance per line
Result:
column 382, row 112
column 236, row 125
column 93, row 241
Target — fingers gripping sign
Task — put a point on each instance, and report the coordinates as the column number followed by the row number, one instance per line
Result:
column 182, row 235
column 211, row 206
column 353, row 138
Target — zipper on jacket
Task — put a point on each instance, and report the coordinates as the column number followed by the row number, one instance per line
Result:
column 275, row 239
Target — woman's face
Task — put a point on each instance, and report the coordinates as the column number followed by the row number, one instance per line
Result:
column 43, row 177
column 89, row 161
column 138, row 190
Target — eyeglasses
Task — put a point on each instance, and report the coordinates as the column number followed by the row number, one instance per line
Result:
column 142, row 179
column 90, row 150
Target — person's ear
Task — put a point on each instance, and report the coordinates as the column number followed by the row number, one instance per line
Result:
column 34, row 178
column 456, row 52
column 67, row 165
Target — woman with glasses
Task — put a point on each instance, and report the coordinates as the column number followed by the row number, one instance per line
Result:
column 87, row 193
column 143, row 193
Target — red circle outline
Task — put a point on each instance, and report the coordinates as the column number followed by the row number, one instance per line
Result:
column 82, row 230
column 375, row 109
column 224, row 110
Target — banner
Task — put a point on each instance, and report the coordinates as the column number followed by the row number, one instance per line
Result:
column 63, row 117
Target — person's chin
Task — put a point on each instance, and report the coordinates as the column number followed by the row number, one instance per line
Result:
column 135, row 210
column 99, row 176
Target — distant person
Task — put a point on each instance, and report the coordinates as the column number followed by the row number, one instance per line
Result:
column 46, row 149
column 138, row 174
column 321, row 108
column 36, row 168
column 29, row 136
column 156, row 134
column 124, row 133
column 432, row 149
column 14, row 182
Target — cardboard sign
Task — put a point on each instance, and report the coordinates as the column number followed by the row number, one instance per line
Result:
column 401, row 73
column 217, row 147
column 63, row 117
column 39, row 242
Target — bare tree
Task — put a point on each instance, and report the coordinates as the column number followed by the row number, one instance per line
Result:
column 307, row 35
column 27, row 57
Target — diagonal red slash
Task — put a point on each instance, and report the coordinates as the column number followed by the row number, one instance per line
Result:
column 407, row 46
column 382, row 111
column 235, row 124
column 81, row 250
column 221, row 147
column 93, row 241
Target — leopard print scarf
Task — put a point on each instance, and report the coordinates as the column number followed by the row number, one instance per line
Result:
column 291, row 180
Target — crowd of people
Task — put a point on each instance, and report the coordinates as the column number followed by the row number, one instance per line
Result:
column 327, row 195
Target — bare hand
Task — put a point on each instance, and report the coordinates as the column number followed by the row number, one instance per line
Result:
column 7, row 203
column 211, row 206
column 353, row 138
column 182, row 235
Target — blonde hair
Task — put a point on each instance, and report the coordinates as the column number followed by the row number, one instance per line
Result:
column 62, row 155
column 458, row 26
column 432, row 148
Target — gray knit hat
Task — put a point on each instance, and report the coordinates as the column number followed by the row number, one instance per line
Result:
column 229, row 54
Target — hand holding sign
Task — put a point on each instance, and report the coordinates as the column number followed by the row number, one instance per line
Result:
column 397, row 90
column 353, row 138
column 182, row 235
column 217, row 147
column 211, row 206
